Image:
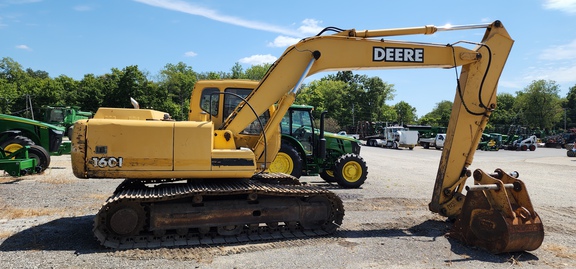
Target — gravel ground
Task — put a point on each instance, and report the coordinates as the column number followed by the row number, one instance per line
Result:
column 46, row 221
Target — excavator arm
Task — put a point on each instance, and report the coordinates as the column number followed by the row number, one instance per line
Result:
column 353, row 50
column 511, row 223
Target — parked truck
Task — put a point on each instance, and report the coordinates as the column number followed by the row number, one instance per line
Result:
column 393, row 137
column 436, row 142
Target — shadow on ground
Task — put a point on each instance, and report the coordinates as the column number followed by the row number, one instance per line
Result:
column 75, row 234
column 429, row 231
column 72, row 233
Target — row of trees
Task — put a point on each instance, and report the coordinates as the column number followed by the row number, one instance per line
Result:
column 349, row 97
column 353, row 98
column 168, row 91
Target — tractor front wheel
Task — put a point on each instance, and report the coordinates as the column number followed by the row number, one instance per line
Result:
column 328, row 175
column 350, row 171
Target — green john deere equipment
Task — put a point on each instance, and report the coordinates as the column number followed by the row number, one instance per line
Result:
column 17, row 133
column 308, row 150
column 490, row 142
column 23, row 161
column 64, row 116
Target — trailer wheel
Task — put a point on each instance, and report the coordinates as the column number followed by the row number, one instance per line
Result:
column 328, row 175
column 41, row 155
column 350, row 171
column 287, row 161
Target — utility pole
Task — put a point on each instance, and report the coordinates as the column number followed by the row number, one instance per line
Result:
column 355, row 124
column 565, row 119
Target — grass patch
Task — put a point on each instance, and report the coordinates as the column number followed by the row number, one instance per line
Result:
column 5, row 234
column 98, row 196
column 561, row 251
column 9, row 179
column 10, row 212
column 56, row 180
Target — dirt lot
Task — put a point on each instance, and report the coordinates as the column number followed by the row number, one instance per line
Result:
column 46, row 221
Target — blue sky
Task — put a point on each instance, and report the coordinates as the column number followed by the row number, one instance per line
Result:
column 76, row 37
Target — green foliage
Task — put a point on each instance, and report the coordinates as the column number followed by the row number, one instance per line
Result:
column 570, row 108
column 539, row 104
column 349, row 98
column 320, row 94
column 505, row 113
column 173, row 92
column 406, row 114
column 256, row 72
column 439, row 116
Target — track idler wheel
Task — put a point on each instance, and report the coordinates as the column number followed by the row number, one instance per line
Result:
column 125, row 219
column 498, row 216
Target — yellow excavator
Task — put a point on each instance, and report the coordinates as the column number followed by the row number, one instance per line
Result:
column 194, row 182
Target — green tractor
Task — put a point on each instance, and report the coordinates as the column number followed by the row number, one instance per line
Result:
column 307, row 150
column 41, row 138
column 491, row 142
column 64, row 116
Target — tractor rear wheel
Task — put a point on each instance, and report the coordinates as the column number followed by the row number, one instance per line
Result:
column 350, row 171
column 15, row 143
column 288, row 161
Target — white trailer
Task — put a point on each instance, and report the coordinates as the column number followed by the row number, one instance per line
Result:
column 394, row 137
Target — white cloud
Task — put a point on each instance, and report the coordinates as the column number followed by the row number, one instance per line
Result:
column 23, row 47
column 558, row 73
column 568, row 6
column 557, row 63
column 258, row 59
column 190, row 54
column 310, row 27
column 561, row 52
column 189, row 8
column 283, row 41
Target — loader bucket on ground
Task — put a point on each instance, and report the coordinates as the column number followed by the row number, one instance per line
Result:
column 498, row 216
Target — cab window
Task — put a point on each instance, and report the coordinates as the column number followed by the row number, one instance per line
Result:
column 209, row 101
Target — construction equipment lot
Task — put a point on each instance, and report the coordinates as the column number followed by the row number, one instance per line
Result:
column 46, row 221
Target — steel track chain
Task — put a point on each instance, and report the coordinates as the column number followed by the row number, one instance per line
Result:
column 267, row 184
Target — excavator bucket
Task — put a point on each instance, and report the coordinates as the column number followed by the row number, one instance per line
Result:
column 498, row 216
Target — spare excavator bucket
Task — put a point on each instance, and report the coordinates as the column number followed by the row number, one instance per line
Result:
column 498, row 216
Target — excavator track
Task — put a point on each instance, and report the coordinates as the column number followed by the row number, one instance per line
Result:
column 227, row 211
